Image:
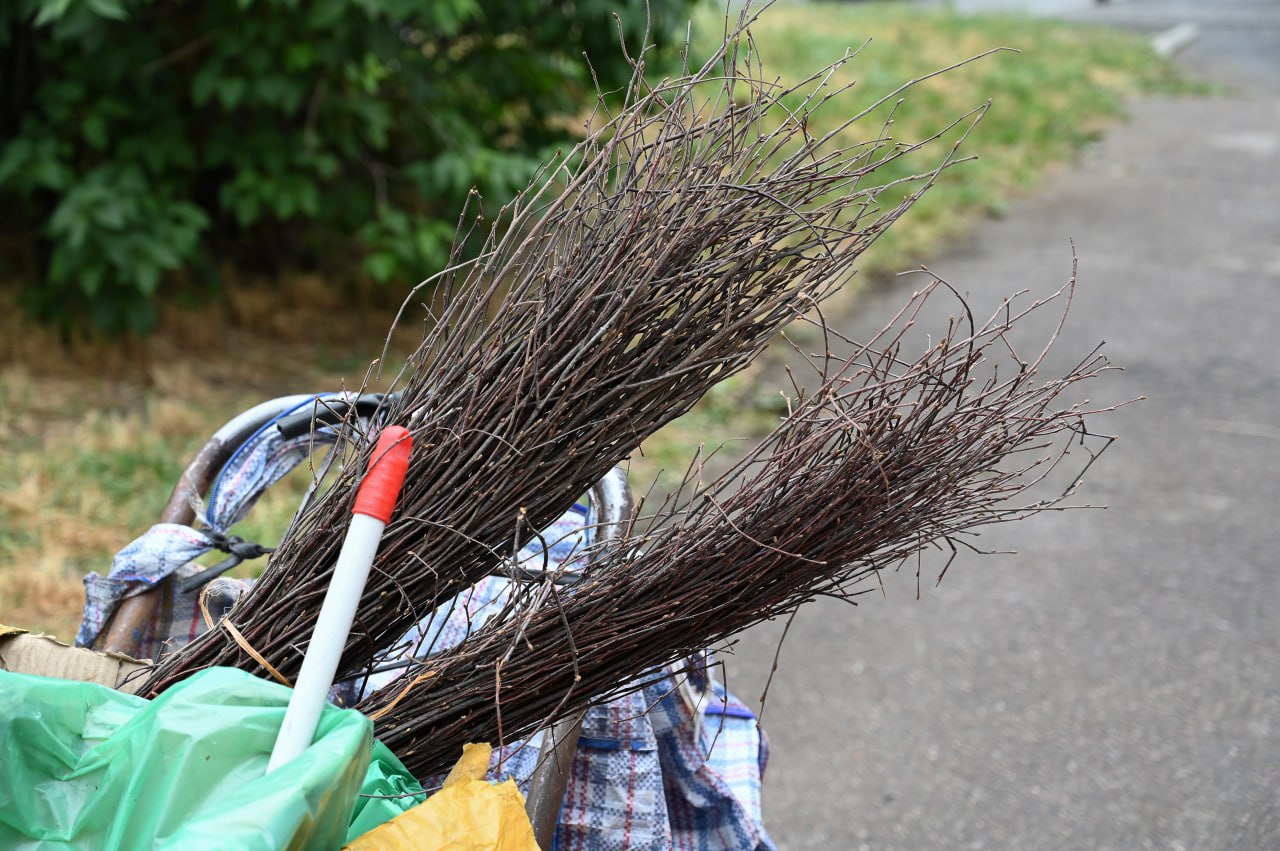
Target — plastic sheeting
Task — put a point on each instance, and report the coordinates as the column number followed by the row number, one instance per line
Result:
column 88, row 767
column 467, row 814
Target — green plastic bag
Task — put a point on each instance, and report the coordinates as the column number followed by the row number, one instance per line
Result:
column 388, row 790
column 85, row 767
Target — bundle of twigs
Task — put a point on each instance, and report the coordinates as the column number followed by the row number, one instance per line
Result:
column 655, row 260
column 891, row 455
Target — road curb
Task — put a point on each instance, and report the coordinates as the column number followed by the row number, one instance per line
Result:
column 1175, row 39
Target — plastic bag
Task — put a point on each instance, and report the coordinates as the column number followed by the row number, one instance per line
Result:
column 467, row 814
column 388, row 790
column 88, row 767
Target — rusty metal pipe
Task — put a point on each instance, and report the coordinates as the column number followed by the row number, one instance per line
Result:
column 123, row 632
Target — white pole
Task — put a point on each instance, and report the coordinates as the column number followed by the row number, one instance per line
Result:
column 374, row 504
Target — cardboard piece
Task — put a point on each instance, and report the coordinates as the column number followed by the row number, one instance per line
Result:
column 23, row 653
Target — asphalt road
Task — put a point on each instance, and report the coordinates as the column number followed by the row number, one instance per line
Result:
column 1116, row 684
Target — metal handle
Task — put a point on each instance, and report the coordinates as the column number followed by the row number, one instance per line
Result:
column 123, row 632
column 612, row 498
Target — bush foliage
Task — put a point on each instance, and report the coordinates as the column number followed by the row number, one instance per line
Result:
column 145, row 142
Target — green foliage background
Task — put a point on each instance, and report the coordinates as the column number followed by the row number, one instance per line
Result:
column 142, row 138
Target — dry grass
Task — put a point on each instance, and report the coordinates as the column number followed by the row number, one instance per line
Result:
column 94, row 433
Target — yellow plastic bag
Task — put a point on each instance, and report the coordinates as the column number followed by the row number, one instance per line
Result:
column 467, row 814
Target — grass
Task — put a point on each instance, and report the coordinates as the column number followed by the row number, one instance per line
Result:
column 1058, row 93
column 94, row 435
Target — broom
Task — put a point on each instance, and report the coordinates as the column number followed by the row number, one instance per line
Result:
column 656, row 259
column 891, row 455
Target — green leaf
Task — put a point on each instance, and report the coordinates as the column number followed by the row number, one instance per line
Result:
column 326, row 165
column 91, row 278
column 381, row 267
column 160, row 254
column 51, row 10
column 285, row 202
column 230, row 90
column 148, row 278
column 300, row 56
column 111, row 214
column 94, row 128
column 246, row 207
column 427, row 242
column 69, row 223
column 190, row 217
column 203, row 84
column 108, row 9
column 308, row 198
column 14, row 159
column 60, row 265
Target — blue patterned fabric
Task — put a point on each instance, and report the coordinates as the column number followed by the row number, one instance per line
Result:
column 614, row 800
column 713, row 754
column 565, row 541
column 675, row 766
column 168, row 549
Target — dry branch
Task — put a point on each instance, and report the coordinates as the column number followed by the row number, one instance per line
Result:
column 659, row 257
column 892, row 454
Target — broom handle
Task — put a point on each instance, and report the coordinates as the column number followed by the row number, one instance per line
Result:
column 374, row 503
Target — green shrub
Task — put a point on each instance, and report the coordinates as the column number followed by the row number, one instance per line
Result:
column 144, row 142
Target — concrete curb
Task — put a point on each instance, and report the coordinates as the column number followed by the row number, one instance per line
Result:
column 1175, row 39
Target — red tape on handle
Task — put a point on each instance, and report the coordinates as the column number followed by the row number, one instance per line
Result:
column 381, row 486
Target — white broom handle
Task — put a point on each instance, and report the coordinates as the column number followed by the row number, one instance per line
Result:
column 374, row 504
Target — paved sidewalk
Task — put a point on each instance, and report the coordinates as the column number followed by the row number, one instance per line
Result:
column 1117, row 683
